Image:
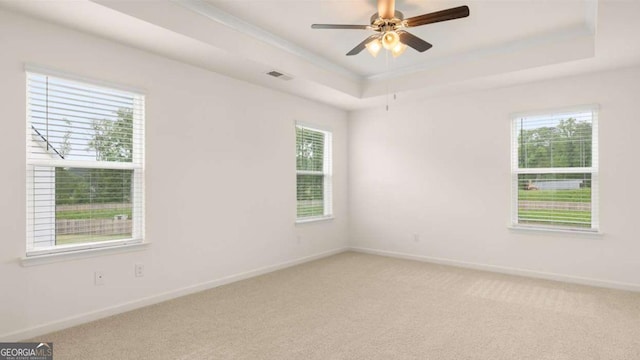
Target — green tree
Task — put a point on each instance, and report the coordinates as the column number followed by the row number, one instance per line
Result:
column 71, row 188
column 112, row 140
column 310, row 149
column 65, row 146
column 310, row 158
column 567, row 144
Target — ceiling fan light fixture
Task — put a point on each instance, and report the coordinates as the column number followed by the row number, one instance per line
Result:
column 398, row 49
column 374, row 47
column 390, row 40
column 389, row 25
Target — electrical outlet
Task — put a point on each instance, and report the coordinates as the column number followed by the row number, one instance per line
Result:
column 139, row 270
column 416, row 237
column 98, row 278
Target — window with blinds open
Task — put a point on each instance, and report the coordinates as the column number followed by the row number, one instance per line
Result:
column 85, row 158
column 313, row 170
column 555, row 170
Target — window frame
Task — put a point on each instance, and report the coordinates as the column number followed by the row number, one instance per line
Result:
column 326, row 173
column 137, row 166
column 593, row 170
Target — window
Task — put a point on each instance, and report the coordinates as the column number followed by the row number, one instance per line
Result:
column 313, row 170
column 555, row 170
column 85, row 158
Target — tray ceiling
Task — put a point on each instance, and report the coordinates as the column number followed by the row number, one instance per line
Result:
column 500, row 43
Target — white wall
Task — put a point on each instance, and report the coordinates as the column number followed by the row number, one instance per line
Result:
column 220, row 180
column 441, row 168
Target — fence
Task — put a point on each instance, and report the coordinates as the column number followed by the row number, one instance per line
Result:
column 571, row 184
column 93, row 226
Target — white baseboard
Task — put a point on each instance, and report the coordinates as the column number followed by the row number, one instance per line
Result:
column 154, row 299
column 504, row 270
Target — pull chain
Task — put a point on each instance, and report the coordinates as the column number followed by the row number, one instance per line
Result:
column 386, row 58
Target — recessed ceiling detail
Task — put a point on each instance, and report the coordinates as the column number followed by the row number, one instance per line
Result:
column 246, row 39
column 493, row 25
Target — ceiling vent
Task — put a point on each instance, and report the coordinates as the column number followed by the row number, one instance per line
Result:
column 279, row 75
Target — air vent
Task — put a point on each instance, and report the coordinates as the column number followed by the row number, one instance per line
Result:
column 279, row 75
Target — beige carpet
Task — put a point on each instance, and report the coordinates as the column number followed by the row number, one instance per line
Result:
column 357, row 306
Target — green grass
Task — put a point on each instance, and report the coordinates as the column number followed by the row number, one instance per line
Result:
column 91, row 214
column 577, row 195
column 309, row 208
column 574, row 218
column 562, row 217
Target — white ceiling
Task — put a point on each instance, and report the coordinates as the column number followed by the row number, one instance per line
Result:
column 502, row 42
column 491, row 24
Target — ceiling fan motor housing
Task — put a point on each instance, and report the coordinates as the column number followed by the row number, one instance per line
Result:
column 380, row 24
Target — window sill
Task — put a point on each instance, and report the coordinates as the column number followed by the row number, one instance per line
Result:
column 534, row 229
column 81, row 254
column 314, row 219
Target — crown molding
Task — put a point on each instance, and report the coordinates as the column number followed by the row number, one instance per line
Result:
column 237, row 24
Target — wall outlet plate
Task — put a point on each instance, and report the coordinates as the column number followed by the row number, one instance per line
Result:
column 139, row 270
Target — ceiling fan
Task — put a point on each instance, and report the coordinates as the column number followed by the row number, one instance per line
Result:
column 389, row 24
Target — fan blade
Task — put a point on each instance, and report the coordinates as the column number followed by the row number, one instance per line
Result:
column 386, row 9
column 413, row 41
column 356, row 50
column 434, row 17
column 337, row 26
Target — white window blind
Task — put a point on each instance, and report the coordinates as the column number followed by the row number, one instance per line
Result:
column 313, row 170
column 85, row 162
column 555, row 170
